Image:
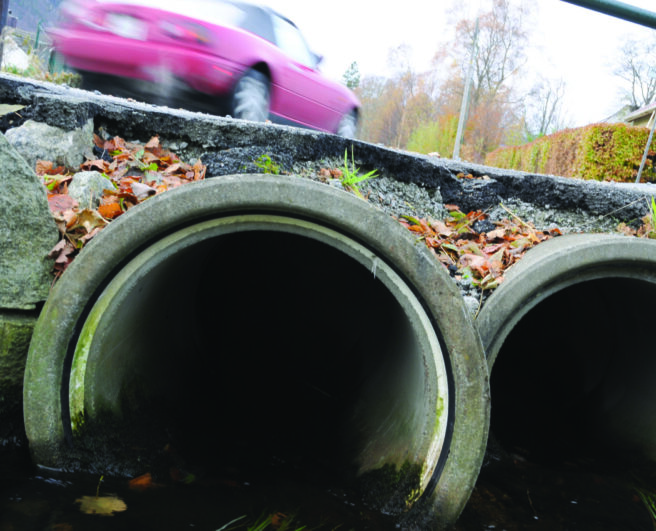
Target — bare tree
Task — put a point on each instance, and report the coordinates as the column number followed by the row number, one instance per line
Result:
column 501, row 42
column 636, row 66
column 544, row 108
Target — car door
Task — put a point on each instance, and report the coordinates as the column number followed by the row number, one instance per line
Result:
column 303, row 94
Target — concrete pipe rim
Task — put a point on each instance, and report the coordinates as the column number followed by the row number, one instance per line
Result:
column 570, row 352
column 553, row 266
column 307, row 203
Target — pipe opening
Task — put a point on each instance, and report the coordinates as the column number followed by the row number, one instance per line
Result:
column 575, row 376
column 251, row 349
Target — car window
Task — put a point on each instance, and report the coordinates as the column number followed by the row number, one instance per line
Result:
column 290, row 40
column 257, row 21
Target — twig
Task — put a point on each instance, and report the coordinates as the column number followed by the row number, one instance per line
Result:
column 516, row 217
column 624, row 206
column 480, row 303
column 530, row 501
column 98, row 487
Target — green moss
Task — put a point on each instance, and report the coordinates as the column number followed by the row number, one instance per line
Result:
column 602, row 152
column 391, row 489
column 15, row 333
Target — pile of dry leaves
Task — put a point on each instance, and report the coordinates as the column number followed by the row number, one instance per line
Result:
column 137, row 172
column 482, row 256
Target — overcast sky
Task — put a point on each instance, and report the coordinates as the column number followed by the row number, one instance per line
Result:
column 568, row 41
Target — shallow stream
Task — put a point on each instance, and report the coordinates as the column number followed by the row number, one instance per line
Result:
column 514, row 492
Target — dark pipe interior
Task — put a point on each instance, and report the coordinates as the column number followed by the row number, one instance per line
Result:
column 575, row 376
column 261, row 349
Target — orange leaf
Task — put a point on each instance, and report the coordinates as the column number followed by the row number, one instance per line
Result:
column 143, row 482
column 110, row 210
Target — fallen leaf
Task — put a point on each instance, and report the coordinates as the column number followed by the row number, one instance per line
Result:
column 61, row 202
column 142, row 191
column 101, row 505
column 143, row 482
column 90, row 219
column 110, row 210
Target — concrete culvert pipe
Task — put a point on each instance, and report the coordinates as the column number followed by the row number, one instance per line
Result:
column 570, row 345
column 245, row 305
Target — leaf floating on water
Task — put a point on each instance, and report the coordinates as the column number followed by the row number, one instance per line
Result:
column 101, row 505
column 143, row 482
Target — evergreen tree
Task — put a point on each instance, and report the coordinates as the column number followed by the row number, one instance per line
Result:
column 351, row 77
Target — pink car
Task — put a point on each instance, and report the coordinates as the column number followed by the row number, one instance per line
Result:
column 246, row 60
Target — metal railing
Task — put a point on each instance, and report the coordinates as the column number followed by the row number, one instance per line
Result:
column 621, row 10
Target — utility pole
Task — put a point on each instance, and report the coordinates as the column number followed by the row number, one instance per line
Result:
column 464, row 106
column 4, row 7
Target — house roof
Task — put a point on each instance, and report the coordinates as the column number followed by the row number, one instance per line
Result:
column 642, row 111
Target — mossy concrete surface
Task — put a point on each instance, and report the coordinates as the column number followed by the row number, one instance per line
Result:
column 15, row 334
column 455, row 463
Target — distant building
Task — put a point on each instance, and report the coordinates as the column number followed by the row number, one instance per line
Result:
column 643, row 116
column 620, row 116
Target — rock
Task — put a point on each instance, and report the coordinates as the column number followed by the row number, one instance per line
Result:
column 27, row 233
column 13, row 56
column 87, row 188
column 40, row 141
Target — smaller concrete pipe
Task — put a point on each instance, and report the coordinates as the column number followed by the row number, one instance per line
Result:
column 245, row 305
column 571, row 351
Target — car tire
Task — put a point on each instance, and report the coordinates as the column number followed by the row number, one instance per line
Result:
column 348, row 125
column 250, row 97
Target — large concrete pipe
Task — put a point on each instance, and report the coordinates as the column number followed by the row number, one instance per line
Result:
column 249, row 305
column 569, row 337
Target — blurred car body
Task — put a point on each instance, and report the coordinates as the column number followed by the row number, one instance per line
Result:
column 243, row 59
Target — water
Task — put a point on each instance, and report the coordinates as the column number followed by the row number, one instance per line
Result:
column 34, row 499
column 512, row 493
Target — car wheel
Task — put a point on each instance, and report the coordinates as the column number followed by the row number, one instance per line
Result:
column 348, row 125
column 250, row 98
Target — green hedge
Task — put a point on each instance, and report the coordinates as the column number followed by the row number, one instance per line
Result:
column 603, row 152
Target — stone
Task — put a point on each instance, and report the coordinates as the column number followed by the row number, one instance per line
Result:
column 13, row 56
column 87, row 188
column 27, row 233
column 40, row 141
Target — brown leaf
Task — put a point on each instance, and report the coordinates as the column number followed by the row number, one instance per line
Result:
column 61, row 202
column 496, row 234
column 441, row 228
column 62, row 248
column 172, row 168
column 90, row 219
column 46, row 167
column 152, row 143
column 142, row 191
column 97, row 165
